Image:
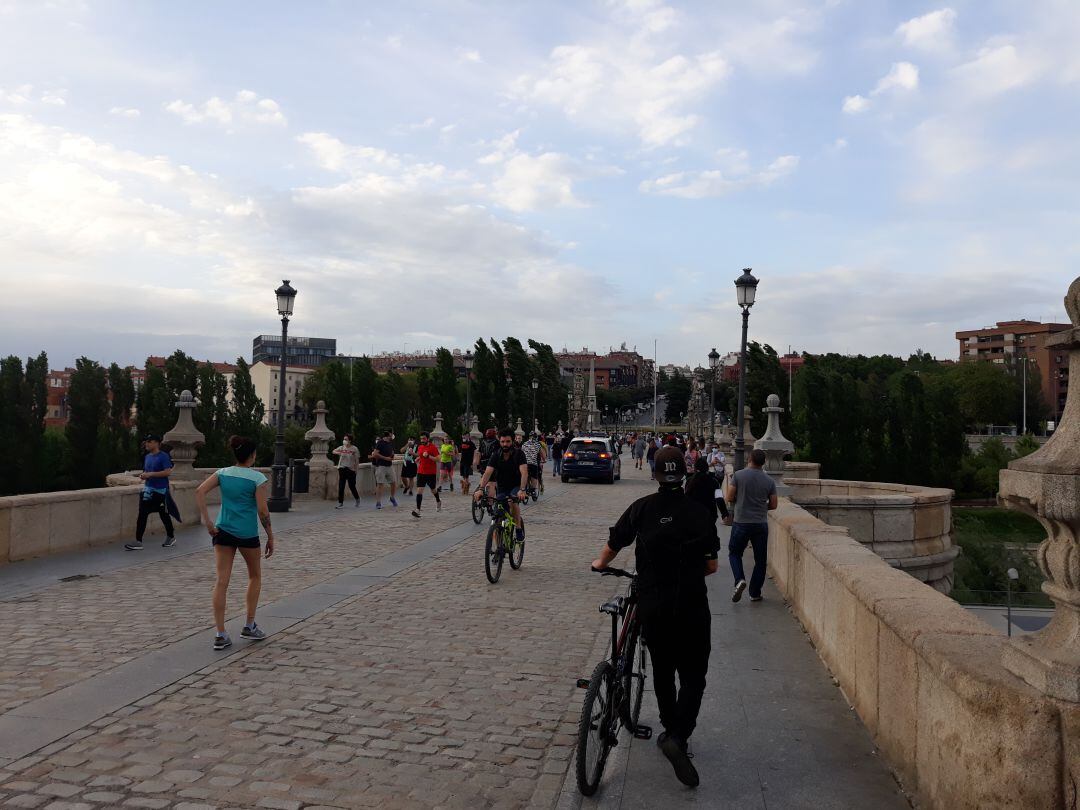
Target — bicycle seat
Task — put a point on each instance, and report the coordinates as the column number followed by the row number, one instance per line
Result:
column 612, row 607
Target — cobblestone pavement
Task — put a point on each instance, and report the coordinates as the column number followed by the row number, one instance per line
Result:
column 65, row 633
column 433, row 689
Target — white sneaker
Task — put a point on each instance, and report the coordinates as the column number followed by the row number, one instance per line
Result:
column 740, row 586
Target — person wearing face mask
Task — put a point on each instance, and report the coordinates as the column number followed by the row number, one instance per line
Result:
column 348, row 464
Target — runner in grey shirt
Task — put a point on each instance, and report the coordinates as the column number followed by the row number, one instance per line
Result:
column 754, row 494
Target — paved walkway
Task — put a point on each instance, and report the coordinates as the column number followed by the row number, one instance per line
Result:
column 395, row 676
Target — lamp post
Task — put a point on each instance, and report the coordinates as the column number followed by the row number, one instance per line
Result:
column 1010, row 576
column 535, row 385
column 468, row 389
column 279, row 499
column 714, row 361
column 746, row 290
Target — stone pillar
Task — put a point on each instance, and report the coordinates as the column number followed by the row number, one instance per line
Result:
column 774, row 444
column 1046, row 484
column 748, row 437
column 474, row 428
column 320, row 437
column 536, row 426
column 184, row 439
column 559, row 432
column 438, row 435
column 518, row 432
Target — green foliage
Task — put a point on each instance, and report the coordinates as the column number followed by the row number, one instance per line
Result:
column 979, row 471
column 764, row 376
column 86, row 431
column 552, row 396
column 444, row 390
column 247, row 410
column 181, row 374
column 1025, row 446
column 156, row 406
column 988, row 539
column 213, row 418
column 678, row 397
column 23, row 406
column 365, row 390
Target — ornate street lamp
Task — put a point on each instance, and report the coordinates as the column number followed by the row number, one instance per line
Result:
column 279, row 498
column 714, row 361
column 746, row 290
column 535, row 385
column 468, row 389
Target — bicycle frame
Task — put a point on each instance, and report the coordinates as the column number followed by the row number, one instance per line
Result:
column 505, row 518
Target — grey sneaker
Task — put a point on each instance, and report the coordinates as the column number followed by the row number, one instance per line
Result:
column 169, row 542
column 340, row 506
column 357, row 503
column 222, row 642
column 255, row 633
column 136, row 546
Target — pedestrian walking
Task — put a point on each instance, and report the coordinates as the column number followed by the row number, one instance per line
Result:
column 382, row 460
column 408, row 467
column 753, row 492
column 704, row 487
column 243, row 507
column 650, row 456
column 556, row 455
column 467, row 456
column 427, row 464
column 639, row 451
column 676, row 548
column 348, row 464
column 155, row 497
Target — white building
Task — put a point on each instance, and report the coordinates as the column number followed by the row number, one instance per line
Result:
column 264, row 376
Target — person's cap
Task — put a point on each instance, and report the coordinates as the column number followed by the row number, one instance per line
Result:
column 670, row 465
column 152, row 437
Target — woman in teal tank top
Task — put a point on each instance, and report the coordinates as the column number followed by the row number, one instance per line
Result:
column 243, row 507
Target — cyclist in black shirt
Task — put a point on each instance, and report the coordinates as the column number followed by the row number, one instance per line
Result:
column 508, row 467
column 676, row 548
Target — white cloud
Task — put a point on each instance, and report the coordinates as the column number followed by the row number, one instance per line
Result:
column 246, row 108
column 997, row 69
column 718, row 182
column 855, row 104
column 531, row 182
column 930, row 32
column 24, row 94
column 901, row 76
column 501, row 148
column 628, row 80
column 773, row 45
column 469, row 55
column 125, row 112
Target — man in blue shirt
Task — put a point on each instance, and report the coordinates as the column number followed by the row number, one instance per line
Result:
column 157, row 467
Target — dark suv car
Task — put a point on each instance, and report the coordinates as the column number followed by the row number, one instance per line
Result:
column 591, row 457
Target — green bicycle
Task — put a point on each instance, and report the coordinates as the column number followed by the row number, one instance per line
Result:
column 502, row 541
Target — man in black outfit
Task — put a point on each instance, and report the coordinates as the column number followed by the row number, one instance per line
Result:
column 677, row 547
column 508, row 467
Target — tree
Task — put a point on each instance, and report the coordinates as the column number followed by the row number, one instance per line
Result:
column 502, row 399
column 551, row 399
column 764, row 376
column 121, row 449
column 181, row 374
column 88, row 406
column 444, row 390
column 365, row 393
column 678, row 397
column 390, row 400
column 424, row 389
column 519, row 370
column 246, row 414
column 156, row 406
column 987, row 394
column 212, row 417
column 338, row 397
column 16, row 411
column 483, row 386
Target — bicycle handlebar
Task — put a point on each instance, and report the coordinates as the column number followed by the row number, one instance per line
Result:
column 612, row 572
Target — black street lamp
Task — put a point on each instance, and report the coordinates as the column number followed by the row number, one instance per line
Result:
column 535, row 385
column 714, row 361
column 468, row 390
column 746, row 289
column 279, row 498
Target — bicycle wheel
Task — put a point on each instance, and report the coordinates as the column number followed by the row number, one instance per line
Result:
column 594, row 727
column 477, row 512
column 517, row 549
column 493, row 554
column 637, row 660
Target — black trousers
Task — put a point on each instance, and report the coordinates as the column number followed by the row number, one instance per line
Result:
column 679, row 646
column 154, row 504
column 345, row 474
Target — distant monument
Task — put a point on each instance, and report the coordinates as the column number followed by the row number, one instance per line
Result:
column 582, row 411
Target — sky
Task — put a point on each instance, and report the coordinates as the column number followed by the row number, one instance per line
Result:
column 585, row 173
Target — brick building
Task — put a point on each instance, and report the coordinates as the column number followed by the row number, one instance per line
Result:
column 1009, row 341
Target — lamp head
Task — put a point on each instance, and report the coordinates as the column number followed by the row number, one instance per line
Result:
column 1013, row 574
column 746, row 288
column 714, row 359
column 285, row 296
column 468, row 360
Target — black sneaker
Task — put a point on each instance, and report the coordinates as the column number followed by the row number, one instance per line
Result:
column 222, row 642
column 675, row 750
column 740, row 586
column 756, row 598
column 136, row 546
column 169, row 542
column 416, row 513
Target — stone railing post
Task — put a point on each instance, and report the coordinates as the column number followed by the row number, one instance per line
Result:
column 184, row 439
column 774, row 444
column 518, row 432
column 1046, row 484
column 748, row 436
column 474, row 428
column 320, row 437
column 438, row 435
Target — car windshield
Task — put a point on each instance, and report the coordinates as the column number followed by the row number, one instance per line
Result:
column 594, row 446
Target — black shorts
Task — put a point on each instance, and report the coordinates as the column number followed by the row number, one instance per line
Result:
column 466, row 471
column 408, row 471
column 534, row 470
column 423, row 480
column 223, row 538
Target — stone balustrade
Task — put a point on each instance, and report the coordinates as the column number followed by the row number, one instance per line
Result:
column 801, row 469
column 925, row 676
column 910, row 527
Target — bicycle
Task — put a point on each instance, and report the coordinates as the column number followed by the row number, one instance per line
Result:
column 480, row 508
column 614, row 691
column 502, row 541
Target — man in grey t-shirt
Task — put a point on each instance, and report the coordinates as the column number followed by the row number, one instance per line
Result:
column 754, row 494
